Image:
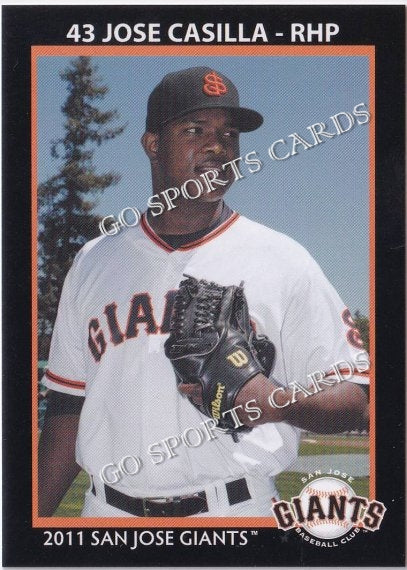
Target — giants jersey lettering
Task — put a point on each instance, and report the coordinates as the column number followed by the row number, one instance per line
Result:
column 141, row 312
column 113, row 320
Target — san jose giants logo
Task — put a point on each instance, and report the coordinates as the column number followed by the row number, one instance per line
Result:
column 214, row 85
column 328, row 508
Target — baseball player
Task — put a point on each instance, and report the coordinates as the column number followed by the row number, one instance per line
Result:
column 116, row 409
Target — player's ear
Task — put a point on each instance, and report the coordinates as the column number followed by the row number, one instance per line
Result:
column 150, row 144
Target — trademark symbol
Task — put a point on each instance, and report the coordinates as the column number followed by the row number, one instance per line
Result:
column 254, row 532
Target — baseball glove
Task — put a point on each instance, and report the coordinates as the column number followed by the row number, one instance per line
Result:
column 212, row 342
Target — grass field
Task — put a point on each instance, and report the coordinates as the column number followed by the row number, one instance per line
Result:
column 334, row 444
column 71, row 505
column 288, row 483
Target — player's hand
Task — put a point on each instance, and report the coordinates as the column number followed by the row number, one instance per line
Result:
column 192, row 391
column 259, row 389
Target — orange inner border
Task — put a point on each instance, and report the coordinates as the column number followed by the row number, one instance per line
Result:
column 180, row 51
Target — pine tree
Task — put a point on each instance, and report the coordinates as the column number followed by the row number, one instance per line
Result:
column 66, row 200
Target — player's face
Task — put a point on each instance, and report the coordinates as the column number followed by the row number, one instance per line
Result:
column 196, row 143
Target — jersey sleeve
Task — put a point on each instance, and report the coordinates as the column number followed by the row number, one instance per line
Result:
column 319, row 335
column 66, row 368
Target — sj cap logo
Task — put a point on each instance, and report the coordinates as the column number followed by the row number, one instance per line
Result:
column 238, row 358
column 213, row 85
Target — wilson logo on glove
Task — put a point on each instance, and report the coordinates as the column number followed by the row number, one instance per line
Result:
column 217, row 402
column 238, row 358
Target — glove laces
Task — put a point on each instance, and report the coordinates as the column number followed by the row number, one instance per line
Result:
column 207, row 308
column 178, row 315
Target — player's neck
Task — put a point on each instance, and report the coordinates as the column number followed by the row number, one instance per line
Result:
column 187, row 220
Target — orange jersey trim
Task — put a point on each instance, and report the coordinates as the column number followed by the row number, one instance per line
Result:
column 211, row 235
column 349, row 371
column 64, row 381
column 153, row 236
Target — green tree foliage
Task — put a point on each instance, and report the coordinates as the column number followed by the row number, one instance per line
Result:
column 362, row 324
column 66, row 200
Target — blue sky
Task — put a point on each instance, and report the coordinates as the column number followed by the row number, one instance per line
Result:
column 319, row 197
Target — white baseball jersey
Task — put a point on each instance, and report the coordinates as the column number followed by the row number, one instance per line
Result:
column 108, row 345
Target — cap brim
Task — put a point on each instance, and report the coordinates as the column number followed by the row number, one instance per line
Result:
column 246, row 120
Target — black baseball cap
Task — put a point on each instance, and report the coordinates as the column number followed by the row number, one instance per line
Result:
column 193, row 89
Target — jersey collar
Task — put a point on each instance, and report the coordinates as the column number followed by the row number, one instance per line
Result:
column 150, row 233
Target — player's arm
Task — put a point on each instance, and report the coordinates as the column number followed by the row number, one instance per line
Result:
column 57, row 467
column 335, row 409
column 231, row 381
column 317, row 331
column 338, row 408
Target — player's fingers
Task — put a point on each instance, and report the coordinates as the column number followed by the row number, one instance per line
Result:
column 193, row 391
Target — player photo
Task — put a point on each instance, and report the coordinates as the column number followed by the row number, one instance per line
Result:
column 203, row 330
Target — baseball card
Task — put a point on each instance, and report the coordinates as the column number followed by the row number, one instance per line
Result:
column 203, row 277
